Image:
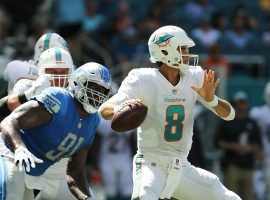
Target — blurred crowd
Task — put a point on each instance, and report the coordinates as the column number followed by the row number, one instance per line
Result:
column 232, row 38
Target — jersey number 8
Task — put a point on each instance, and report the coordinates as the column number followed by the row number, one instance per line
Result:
column 175, row 115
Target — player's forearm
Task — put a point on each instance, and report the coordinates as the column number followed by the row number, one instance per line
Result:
column 13, row 102
column 78, row 185
column 224, row 110
column 11, row 132
column 107, row 111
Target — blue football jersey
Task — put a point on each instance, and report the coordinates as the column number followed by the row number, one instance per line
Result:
column 64, row 135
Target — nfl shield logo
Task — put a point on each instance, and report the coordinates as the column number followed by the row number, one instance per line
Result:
column 174, row 91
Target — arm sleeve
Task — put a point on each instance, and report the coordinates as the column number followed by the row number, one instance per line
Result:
column 129, row 89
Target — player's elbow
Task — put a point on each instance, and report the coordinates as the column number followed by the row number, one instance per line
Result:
column 13, row 102
column 230, row 116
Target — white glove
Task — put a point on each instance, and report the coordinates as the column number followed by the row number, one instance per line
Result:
column 38, row 86
column 24, row 158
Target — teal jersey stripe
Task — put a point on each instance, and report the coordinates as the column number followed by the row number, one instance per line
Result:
column 138, row 163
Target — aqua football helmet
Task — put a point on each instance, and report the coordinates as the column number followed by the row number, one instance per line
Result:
column 47, row 41
column 165, row 46
column 91, row 85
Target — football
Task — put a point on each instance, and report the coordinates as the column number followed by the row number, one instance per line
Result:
column 129, row 117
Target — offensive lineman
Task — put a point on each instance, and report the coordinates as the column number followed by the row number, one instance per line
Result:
column 261, row 115
column 25, row 72
column 161, row 169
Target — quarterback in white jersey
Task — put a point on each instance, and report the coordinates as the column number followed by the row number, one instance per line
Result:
column 160, row 168
column 262, row 116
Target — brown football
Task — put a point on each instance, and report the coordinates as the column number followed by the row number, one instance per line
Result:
column 129, row 117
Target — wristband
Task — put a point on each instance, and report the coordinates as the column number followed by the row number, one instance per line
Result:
column 22, row 98
column 231, row 115
column 213, row 103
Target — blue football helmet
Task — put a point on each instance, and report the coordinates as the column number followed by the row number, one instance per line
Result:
column 91, row 85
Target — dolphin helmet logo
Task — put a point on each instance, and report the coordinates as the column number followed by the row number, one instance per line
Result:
column 162, row 40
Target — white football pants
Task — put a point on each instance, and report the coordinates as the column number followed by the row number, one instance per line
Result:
column 150, row 178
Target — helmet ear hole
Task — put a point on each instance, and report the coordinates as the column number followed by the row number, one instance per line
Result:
column 164, row 52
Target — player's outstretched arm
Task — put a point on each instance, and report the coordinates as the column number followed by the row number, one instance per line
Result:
column 206, row 94
column 26, row 116
column 76, row 175
column 11, row 102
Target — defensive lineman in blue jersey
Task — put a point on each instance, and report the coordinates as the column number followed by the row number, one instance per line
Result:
column 54, row 125
column 43, row 141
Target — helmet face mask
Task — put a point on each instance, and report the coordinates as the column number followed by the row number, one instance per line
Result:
column 59, row 76
column 58, row 63
column 91, row 85
column 165, row 46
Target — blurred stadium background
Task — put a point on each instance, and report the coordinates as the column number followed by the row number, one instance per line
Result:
column 232, row 37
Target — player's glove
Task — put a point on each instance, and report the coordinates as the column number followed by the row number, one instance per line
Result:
column 24, row 158
column 38, row 86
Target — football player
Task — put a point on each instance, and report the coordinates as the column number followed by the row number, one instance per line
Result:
column 19, row 69
column 55, row 66
column 262, row 116
column 160, row 168
column 57, row 123
column 26, row 71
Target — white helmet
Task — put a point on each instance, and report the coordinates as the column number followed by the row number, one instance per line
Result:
column 51, row 60
column 91, row 85
column 163, row 47
column 47, row 41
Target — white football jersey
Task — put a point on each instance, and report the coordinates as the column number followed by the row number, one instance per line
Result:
column 262, row 116
column 168, row 127
column 17, row 70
